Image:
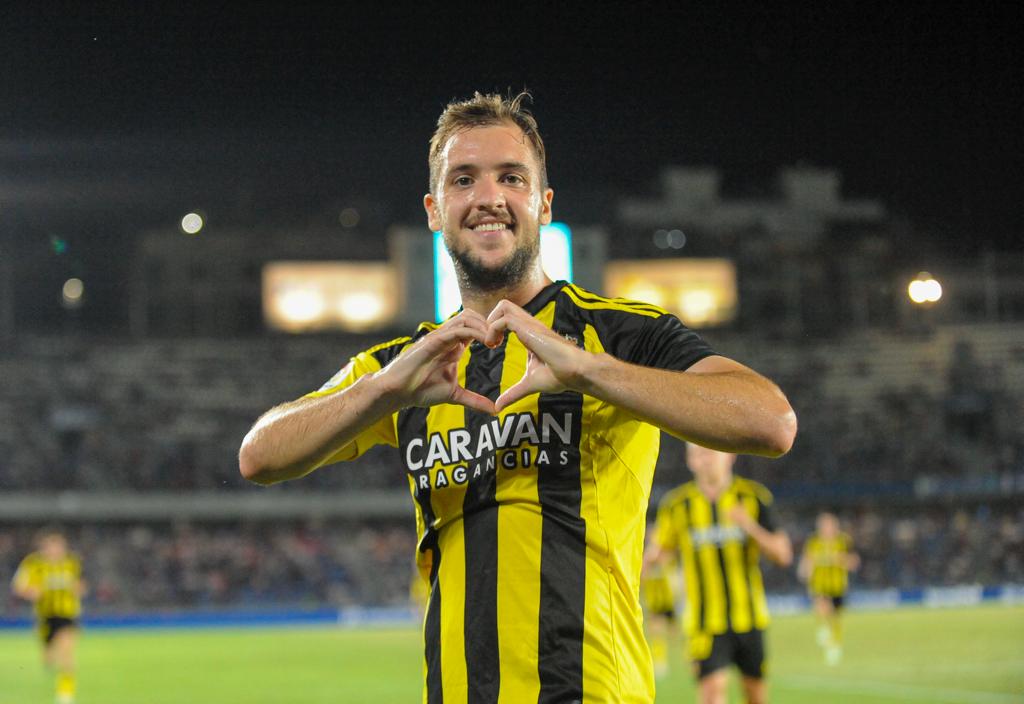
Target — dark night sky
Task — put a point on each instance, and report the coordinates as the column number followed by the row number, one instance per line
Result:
column 112, row 120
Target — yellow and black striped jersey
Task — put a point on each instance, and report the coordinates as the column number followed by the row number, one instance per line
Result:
column 531, row 523
column 58, row 582
column 724, row 588
column 829, row 561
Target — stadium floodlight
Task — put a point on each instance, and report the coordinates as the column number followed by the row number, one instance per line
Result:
column 300, row 305
column 555, row 258
column 360, row 308
column 72, row 292
column 924, row 289
column 192, row 223
column 355, row 296
column 697, row 306
column 701, row 291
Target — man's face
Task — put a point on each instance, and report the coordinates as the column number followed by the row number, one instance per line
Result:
column 828, row 525
column 707, row 463
column 53, row 547
column 489, row 205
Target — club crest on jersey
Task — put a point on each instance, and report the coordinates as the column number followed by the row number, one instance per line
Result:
column 335, row 380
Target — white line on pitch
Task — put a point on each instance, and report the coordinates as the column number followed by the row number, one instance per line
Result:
column 892, row 690
column 1008, row 665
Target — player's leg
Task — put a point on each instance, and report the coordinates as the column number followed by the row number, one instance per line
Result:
column 755, row 689
column 45, row 631
column 711, row 657
column 823, row 614
column 713, row 688
column 834, row 651
column 750, row 659
column 63, row 646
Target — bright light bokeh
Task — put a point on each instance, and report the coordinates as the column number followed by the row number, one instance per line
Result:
column 702, row 292
column 72, row 292
column 555, row 258
column 697, row 306
column 192, row 223
column 924, row 289
column 302, row 305
column 308, row 296
column 360, row 308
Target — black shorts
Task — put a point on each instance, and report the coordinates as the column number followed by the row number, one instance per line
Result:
column 49, row 627
column 837, row 601
column 745, row 650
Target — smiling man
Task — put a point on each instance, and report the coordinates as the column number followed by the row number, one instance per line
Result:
column 529, row 425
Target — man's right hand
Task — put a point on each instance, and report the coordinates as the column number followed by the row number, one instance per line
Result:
column 426, row 373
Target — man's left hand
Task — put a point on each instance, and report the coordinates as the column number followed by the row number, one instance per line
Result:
column 739, row 516
column 553, row 364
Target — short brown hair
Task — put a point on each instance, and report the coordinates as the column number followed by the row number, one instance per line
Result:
column 483, row 111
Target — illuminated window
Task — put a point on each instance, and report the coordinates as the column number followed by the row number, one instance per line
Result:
column 702, row 292
column 310, row 296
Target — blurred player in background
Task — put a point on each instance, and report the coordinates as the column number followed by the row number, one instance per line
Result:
column 51, row 578
column 658, row 599
column 825, row 564
column 719, row 524
column 529, row 424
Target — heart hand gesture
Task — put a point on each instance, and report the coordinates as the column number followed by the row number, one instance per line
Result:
column 553, row 363
column 426, row 373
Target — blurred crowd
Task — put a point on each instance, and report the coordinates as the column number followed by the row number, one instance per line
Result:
column 876, row 420
column 170, row 414
column 914, row 547
column 155, row 566
column 156, row 415
column 161, row 566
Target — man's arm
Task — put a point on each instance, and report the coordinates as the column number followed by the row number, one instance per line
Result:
column 22, row 586
column 775, row 544
column 803, row 568
column 852, row 561
column 655, row 554
column 717, row 402
column 293, row 439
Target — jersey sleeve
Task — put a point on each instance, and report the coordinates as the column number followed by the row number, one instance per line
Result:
column 765, row 512
column 381, row 432
column 664, row 532
column 25, row 576
column 665, row 343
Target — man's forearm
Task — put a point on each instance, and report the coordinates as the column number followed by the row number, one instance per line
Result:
column 733, row 411
column 776, row 546
column 293, row 439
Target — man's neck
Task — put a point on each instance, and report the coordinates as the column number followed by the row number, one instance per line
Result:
column 520, row 293
column 712, row 487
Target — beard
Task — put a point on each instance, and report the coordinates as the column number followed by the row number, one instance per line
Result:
column 473, row 274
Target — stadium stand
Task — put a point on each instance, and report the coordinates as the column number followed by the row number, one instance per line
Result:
column 132, row 445
column 163, row 414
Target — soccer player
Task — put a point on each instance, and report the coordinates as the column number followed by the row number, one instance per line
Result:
column 51, row 578
column 825, row 564
column 529, row 425
column 719, row 524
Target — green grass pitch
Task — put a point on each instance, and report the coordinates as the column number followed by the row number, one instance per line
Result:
column 947, row 656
